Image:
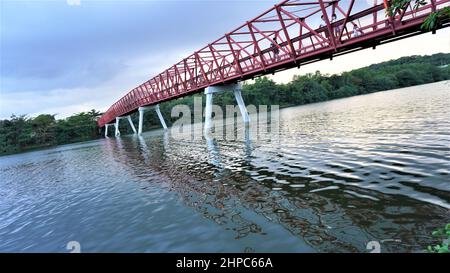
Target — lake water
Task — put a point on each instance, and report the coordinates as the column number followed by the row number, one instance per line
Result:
column 342, row 173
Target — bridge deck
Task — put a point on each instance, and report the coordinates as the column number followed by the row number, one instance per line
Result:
column 290, row 34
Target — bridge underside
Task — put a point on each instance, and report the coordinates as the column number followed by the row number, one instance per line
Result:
column 291, row 34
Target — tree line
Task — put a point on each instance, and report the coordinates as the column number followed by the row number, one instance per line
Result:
column 21, row 133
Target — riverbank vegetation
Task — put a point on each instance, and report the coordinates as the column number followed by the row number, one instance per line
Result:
column 21, row 132
column 441, row 242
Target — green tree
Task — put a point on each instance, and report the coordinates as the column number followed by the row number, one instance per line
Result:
column 43, row 129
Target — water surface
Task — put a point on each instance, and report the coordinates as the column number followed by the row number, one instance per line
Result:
column 340, row 174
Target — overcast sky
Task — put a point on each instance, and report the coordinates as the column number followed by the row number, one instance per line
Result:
column 60, row 57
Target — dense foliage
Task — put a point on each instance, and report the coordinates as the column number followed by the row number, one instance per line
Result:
column 431, row 22
column 21, row 133
column 441, row 238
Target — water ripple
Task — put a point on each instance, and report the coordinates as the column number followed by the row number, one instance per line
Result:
column 340, row 174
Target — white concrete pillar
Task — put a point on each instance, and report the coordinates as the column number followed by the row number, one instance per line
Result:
column 117, row 133
column 141, row 120
column 106, row 128
column 141, row 116
column 131, row 123
column 210, row 90
column 161, row 119
column 241, row 104
column 208, row 109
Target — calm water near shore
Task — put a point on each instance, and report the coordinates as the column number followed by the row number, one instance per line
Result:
column 341, row 173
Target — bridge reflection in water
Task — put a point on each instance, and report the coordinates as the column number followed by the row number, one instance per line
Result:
column 242, row 187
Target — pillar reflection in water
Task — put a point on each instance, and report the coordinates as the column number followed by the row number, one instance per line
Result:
column 252, row 183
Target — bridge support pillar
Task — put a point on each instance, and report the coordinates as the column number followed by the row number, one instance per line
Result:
column 210, row 90
column 208, row 109
column 141, row 119
column 106, row 128
column 117, row 133
column 161, row 119
column 141, row 116
column 238, row 96
column 131, row 124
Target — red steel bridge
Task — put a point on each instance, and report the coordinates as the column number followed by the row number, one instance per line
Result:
column 290, row 34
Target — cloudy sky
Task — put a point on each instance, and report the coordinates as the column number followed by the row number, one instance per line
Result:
column 67, row 56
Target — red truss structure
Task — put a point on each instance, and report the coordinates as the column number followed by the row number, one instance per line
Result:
column 290, row 34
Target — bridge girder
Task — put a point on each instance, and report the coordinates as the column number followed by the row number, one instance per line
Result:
column 292, row 33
